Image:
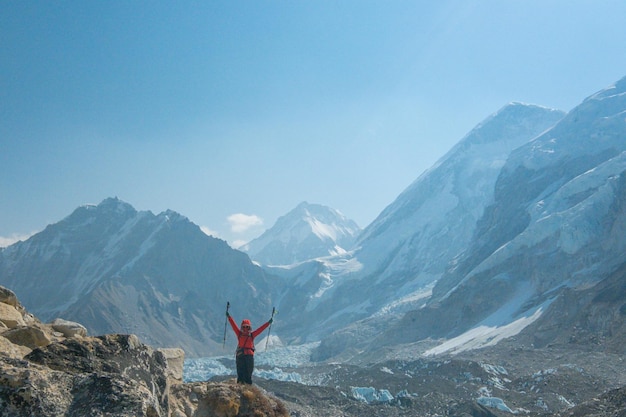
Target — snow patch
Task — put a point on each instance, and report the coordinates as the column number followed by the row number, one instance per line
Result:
column 322, row 230
column 483, row 336
column 270, row 342
column 407, row 301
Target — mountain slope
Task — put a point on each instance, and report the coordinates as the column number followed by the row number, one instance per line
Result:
column 309, row 231
column 407, row 248
column 434, row 218
column 121, row 271
column 557, row 222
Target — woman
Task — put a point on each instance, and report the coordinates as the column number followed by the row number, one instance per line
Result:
column 245, row 347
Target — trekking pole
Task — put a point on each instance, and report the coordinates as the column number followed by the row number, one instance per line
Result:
column 269, row 331
column 225, row 323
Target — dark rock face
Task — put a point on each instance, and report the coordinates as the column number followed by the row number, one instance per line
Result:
column 109, row 353
column 107, row 375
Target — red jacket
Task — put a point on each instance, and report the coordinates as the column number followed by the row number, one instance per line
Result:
column 245, row 341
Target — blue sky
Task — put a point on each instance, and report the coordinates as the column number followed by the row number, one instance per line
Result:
column 233, row 112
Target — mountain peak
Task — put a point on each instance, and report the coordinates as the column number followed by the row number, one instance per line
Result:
column 515, row 118
column 115, row 204
column 613, row 90
column 308, row 210
column 306, row 232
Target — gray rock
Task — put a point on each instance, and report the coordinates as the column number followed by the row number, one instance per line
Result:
column 69, row 328
column 107, row 375
column 8, row 297
column 117, row 375
column 175, row 358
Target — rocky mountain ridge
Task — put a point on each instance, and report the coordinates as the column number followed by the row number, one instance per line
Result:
column 117, row 270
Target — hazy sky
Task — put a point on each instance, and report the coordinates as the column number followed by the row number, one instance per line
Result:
column 233, row 112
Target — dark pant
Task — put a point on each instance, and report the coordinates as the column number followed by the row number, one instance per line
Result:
column 245, row 366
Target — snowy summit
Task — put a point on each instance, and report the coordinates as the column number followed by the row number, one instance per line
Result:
column 309, row 231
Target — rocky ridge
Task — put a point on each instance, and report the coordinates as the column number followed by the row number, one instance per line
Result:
column 56, row 369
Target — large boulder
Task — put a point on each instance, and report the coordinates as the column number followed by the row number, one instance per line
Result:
column 69, row 328
column 30, row 336
column 175, row 358
column 10, row 317
column 117, row 375
column 8, row 297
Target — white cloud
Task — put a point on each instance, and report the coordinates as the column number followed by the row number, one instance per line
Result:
column 240, row 223
column 237, row 244
column 14, row 238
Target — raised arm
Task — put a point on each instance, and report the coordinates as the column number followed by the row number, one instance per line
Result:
column 233, row 325
column 260, row 329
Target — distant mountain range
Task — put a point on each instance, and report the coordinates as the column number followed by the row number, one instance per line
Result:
column 525, row 212
column 117, row 270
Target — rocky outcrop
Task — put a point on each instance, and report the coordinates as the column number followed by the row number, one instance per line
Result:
column 20, row 331
column 56, row 369
column 612, row 403
column 223, row 399
column 175, row 358
column 109, row 375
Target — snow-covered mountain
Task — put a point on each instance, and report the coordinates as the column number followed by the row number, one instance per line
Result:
column 432, row 221
column 309, row 231
column 407, row 248
column 486, row 238
column 117, row 270
column 556, row 223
